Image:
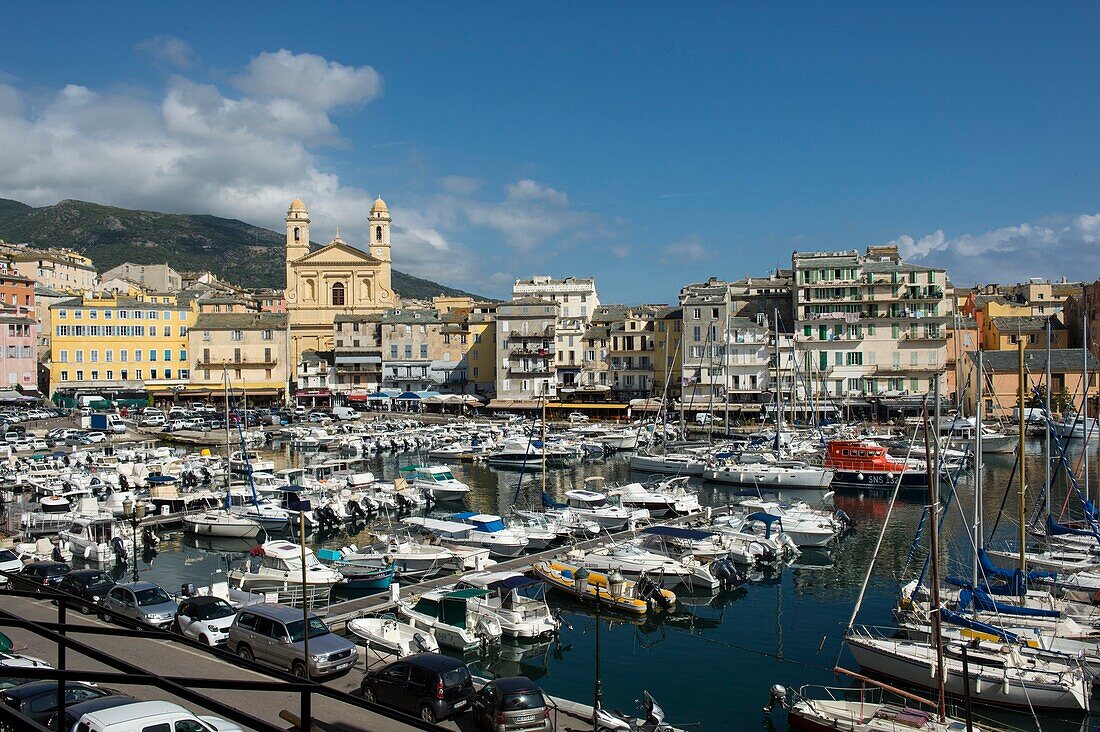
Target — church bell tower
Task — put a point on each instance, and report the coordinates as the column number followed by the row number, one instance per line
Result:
column 297, row 242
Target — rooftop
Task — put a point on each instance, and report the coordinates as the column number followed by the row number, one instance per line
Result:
column 1062, row 360
column 1008, row 324
column 240, row 321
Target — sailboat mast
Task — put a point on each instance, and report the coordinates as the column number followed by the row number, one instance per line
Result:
column 543, row 449
column 1085, row 383
column 228, row 434
column 933, row 469
column 1046, row 431
column 979, row 413
column 778, row 389
column 1020, row 449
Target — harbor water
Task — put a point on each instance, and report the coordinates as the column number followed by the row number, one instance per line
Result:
column 711, row 663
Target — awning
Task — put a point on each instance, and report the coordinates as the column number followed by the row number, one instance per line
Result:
column 10, row 396
column 513, row 404
column 409, row 396
column 585, row 405
column 750, row 407
column 646, row 405
column 358, row 396
column 310, row 393
column 378, row 396
column 263, row 392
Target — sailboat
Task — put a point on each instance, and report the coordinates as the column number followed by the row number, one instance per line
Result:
column 998, row 673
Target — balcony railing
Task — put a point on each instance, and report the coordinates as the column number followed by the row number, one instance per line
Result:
column 524, row 352
column 242, row 364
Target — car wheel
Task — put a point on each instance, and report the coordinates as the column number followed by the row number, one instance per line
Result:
column 298, row 669
column 205, row 641
column 368, row 695
column 244, row 652
column 427, row 713
column 86, row 609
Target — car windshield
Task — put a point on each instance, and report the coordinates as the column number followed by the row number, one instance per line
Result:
column 102, row 579
column 152, row 596
column 316, row 628
column 6, row 555
column 457, row 677
column 522, row 700
column 215, row 610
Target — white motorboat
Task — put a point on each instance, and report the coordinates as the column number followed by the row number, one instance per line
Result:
column 278, row 570
column 805, row 526
column 618, row 439
column 531, row 454
column 632, row 562
column 269, row 514
column 436, row 480
column 243, row 463
column 766, row 475
column 388, row 636
column 516, row 601
column 1075, row 427
column 961, row 432
column 414, row 560
column 1000, row 675
column 97, row 539
column 659, row 499
column 220, row 522
column 595, row 506
column 52, row 514
column 453, row 619
column 474, row 530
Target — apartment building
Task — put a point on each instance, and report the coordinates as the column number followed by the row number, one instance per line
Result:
column 753, row 296
column 18, row 351
column 1004, row 332
column 577, row 300
column 482, row 353
column 1000, row 389
column 59, row 269
column 872, row 322
column 154, row 277
column 632, row 352
column 250, row 348
column 595, row 366
column 357, row 353
column 526, row 360
column 412, row 342
column 121, row 341
column 667, row 351
column 706, row 308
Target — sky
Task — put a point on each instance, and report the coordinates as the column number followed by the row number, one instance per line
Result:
column 646, row 144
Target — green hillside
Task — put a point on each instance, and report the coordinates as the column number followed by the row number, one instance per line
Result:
column 235, row 251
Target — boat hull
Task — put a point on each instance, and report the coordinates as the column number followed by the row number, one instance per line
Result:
column 871, row 480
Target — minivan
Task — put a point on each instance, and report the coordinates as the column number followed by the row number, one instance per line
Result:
column 273, row 634
column 430, row 685
column 344, row 413
column 148, row 715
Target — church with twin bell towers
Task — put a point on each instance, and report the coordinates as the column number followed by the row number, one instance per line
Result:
column 336, row 279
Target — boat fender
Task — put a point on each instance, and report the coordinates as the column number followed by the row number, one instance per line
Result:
column 860, row 476
column 1004, row 681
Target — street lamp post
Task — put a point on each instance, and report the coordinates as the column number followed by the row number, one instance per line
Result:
column 135, row 511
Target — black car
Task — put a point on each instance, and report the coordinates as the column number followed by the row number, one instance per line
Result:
column 512, row 703
column 432, row 686
column 45, row 573
column 76, row 711
column 38, row 699
column 90, row 585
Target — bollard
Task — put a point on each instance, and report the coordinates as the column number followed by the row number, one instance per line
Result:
column 708, row 511
column 395, row 591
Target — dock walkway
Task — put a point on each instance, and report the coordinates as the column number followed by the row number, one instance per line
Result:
column 339, row 613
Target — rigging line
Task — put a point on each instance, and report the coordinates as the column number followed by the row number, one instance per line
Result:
column 882, row 532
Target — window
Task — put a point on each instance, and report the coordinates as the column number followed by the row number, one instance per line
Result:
column 183, row 355
column 267, row 355
column 183, row 331
column 408, row 350
column 80, row 356
column 267, row 335
column 236, row 335
column 378, row 233
column 338, row 293
column 696, row 313
column 108, row 356
column 393, row 351
column 152, row 373
column 122, row 355
column 206, row 335
column 63, row 357
column 423, row 350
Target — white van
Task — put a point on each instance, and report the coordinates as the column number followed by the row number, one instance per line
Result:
column 151, row 715
column 344, row 413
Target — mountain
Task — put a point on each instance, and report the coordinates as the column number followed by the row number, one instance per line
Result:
column 235, row 251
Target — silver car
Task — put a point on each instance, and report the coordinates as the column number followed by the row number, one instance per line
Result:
column 274, row 634
column 143, row 601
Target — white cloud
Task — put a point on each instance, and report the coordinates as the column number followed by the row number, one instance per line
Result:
column 168, row 50
column 309, row 78
column 529, row 190
column 688, row 249
column 460, row 184
column 1060, row 246
column 620, row 251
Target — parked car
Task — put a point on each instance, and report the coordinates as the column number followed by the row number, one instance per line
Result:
column 144, row 602
column 76, row 711
column 273, row 634
column 430, row 685
column 90, row 585
column 48, row 574
column 153, row 420
column 205, row 619
column 38, row 699
column 11, row 663
column 512, row 703
column 153, row 716
column 10, row 563
column 95, row 437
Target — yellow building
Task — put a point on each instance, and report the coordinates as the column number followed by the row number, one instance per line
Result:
column 337, row 279
column 111, row 341
column 1003, row 332
column 249, row 347
column 469, row 338
column 667, row 351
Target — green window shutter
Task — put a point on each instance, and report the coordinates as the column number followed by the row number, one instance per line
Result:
column 823, row 360
column 807, row 330
column 870, row 330
column 895, row 331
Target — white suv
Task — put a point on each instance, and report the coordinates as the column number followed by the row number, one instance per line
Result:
column 151, row 715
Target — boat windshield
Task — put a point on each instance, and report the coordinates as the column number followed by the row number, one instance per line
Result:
column 445, row 475
column 152, row 596
column 317, row 628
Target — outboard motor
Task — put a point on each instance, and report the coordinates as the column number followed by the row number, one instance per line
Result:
column 56, row 553
column 778, row 698
column 727, row 574
column 842, row 518
column 356, row 510
column 421, row 643
column 403, row 503
column 650, row 592
column 119, row 548
column 149, row 537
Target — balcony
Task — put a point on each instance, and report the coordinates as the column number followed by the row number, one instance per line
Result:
column 917, row 293
column 242, row 364
column 923, row 336
column 528, row 352
column 524, row 369
column 539, row 335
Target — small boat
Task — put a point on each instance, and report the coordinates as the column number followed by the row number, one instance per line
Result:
column 660, row 499
column 389, row 636
column 436, row 480
column 835, row 710
column 413, row 560
column 219, row 522
column 671, row 464
column 530, row 454
column 862, row 464
column 517, row 602
column 455, row 622
column 243, row 463
column 276, row 568
column 614, row 591
column 595, row 506
column 97, row 539
column 363, row 575
column 500, row 541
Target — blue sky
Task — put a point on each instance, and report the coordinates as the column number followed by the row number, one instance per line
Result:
column 646, row 144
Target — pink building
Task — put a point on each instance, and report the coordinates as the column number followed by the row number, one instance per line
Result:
column 18, row 362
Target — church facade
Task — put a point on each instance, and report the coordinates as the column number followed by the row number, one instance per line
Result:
column 337, row 279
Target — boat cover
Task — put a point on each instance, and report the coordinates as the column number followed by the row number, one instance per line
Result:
column 513, row 583
column 549, row 502
column 676, row 532
column 965, row 622
column 767, row 519
column 1056, row 529
column 992, row 571
column 980, row 600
